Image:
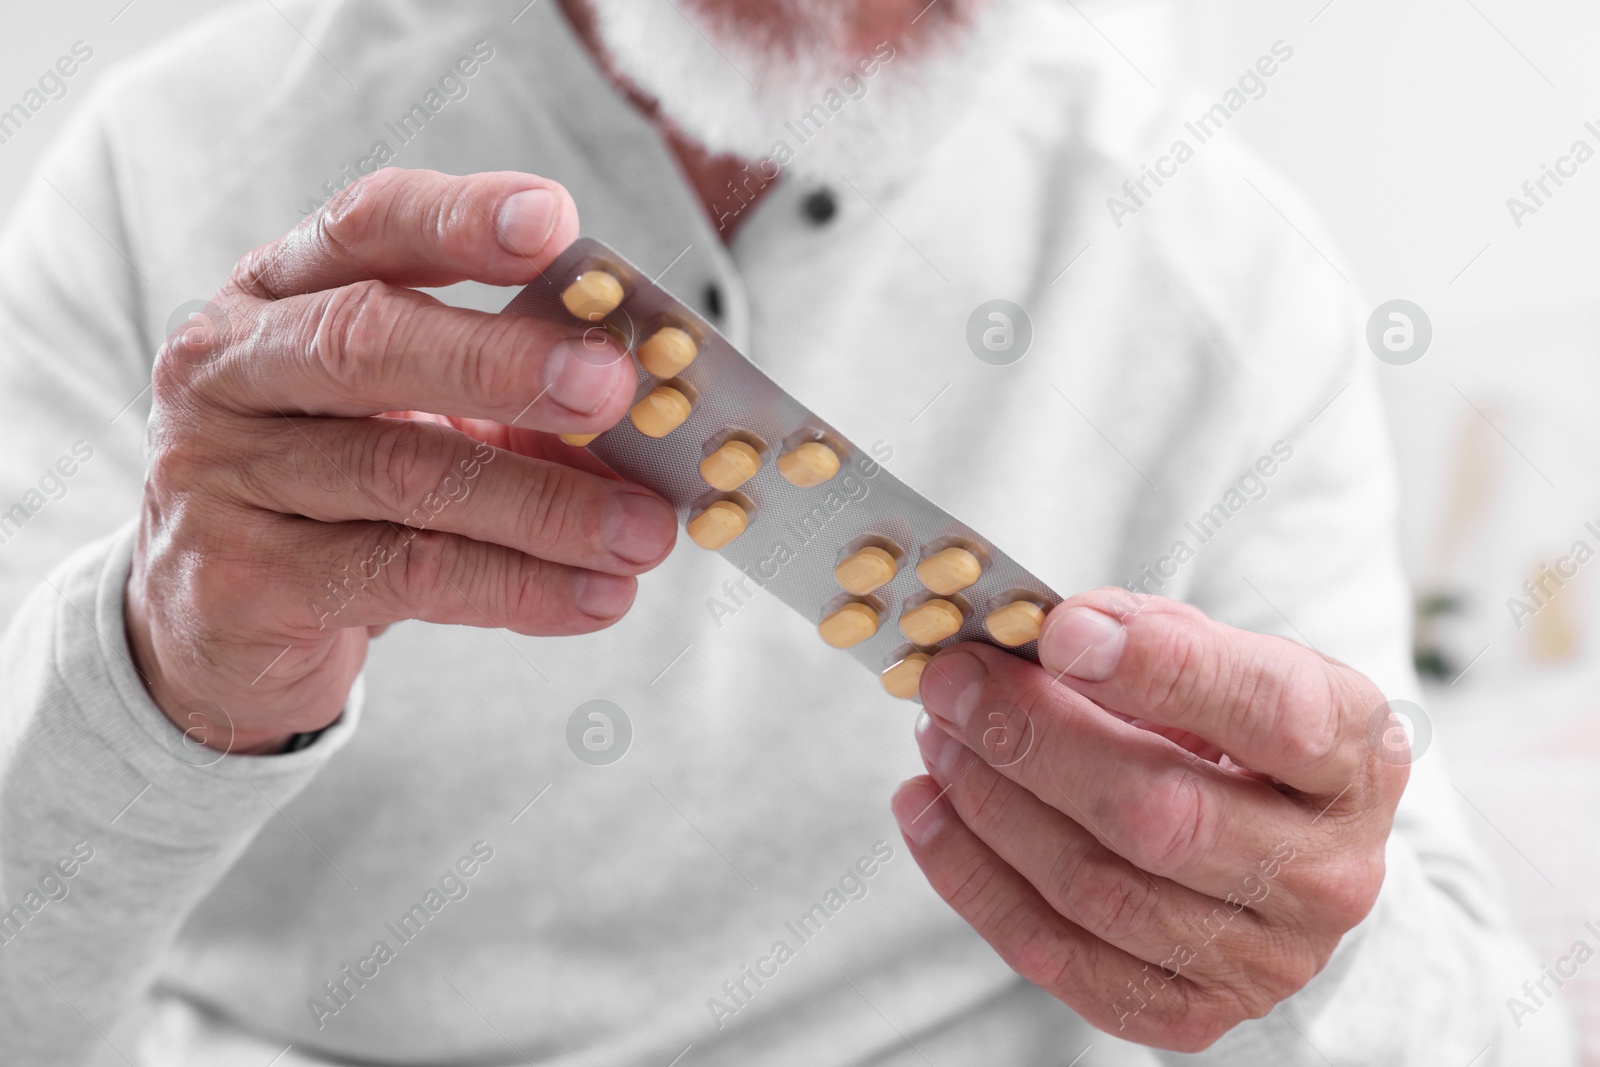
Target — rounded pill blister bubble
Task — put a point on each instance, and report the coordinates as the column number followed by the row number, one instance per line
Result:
column 866, row 570
column 809, row 465
column 902, row 679
column 719, row 523
column 930, row 622
column 578, row 440
column 950, row 570
column 1015, row 624
column 731, row 465
column 593, row 295
column 662, row 410
column 850, row 625
column 667, row 352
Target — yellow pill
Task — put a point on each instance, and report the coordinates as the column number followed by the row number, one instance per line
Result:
column 930, row 623
column 865, row 571
column 904, row 679
column 811, row 464
column 730, row 466
column 718, row 524
column 849, row 626
column 593, row 295
column 660, row 412
column 1015, row 624
column 667, row 352
column 579, row 439
column 949, row 571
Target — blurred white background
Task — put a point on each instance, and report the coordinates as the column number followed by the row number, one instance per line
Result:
column 1406, row 127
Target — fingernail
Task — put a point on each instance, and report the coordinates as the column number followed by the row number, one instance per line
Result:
column 919, row 810
column 637, row 527
column 527, row 219
column 939, row 749
column 1083, row 643
column 581, row 377
column 952, row 686
column 603, row 596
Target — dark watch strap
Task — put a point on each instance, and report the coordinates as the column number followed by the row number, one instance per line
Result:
column 300, row 741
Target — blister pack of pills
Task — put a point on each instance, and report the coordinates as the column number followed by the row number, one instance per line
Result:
column 885, row 576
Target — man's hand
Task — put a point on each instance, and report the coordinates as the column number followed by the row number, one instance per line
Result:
column 289, row 513
column 1083, row 817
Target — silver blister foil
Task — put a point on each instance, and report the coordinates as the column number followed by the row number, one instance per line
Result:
column 796, row 536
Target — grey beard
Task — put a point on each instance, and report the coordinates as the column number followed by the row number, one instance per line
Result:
column 808, row 108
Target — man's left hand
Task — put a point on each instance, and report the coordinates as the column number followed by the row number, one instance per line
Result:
column 1168, row 824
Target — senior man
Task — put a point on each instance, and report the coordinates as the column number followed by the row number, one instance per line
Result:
column 298, row 767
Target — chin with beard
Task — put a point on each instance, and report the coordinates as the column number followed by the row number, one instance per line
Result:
column 742, row 89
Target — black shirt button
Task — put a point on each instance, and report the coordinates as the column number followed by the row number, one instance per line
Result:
column 820, row 206
column 713, row 299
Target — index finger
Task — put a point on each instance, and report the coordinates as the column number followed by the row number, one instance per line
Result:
column 371, row 347
column 418, row 228
column 1272, row 705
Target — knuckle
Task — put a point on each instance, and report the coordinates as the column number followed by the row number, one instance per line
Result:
column 398, row 468
column 355, row 215
column 1299, row 709
column 1054, row 964
column 451, row 215
column 547, row 511
column 1024, row 724
column 1346, row 895
column 343, row 227
column 183, row 457
column 984, row 797
column 486, row 360
column 1183, row 1016
column 427, row 566
column 969, row 891
column 1252, row 990
column 183, row 366
column 1276, row 971
column 256, row 271
column 1382, row 776
column 174, row 475
column 169, row 372
column 352, row 324
column 530, row 596
column 1165, row 832
column 1114, row 902
column 1179, row 674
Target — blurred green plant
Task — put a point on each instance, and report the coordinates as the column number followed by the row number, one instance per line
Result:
column 1428, row 652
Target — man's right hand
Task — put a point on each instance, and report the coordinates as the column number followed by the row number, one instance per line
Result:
column 339, row 452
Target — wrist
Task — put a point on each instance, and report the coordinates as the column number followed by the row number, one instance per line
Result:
column 203, row 722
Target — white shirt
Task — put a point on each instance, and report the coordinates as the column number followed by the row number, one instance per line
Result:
column 219, row 899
